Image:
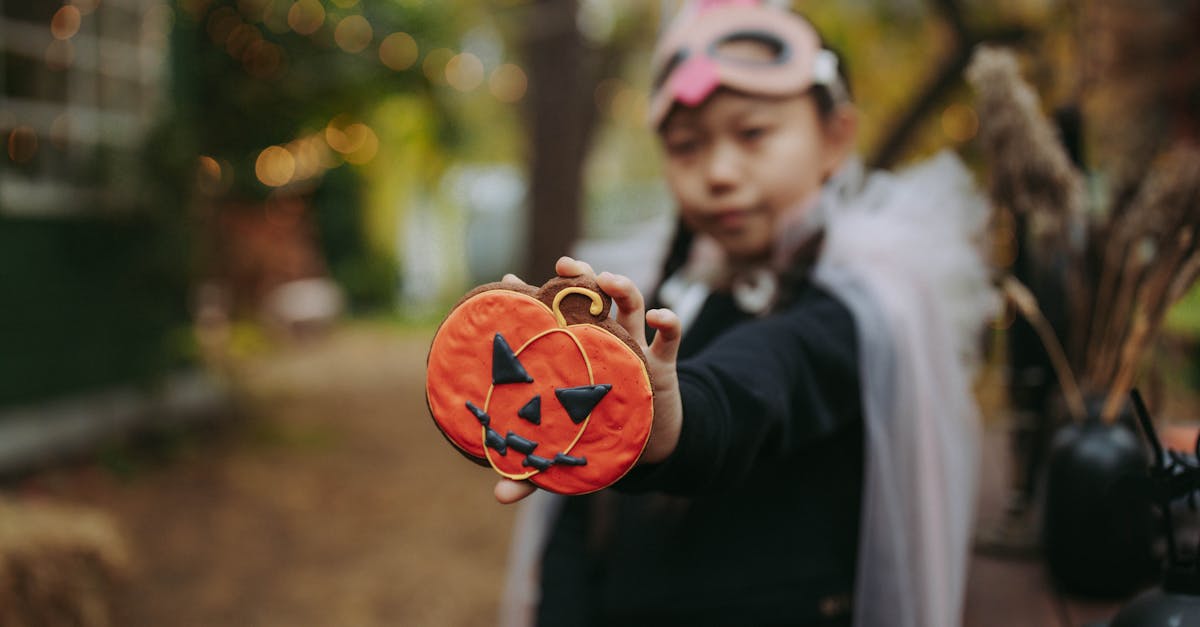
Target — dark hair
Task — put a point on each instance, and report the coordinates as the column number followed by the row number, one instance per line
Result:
column 677, row 256
column 827, row 102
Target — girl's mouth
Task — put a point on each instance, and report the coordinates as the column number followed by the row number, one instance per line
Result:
column 731, row 219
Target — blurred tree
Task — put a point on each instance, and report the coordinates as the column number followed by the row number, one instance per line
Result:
column 367, row 276
column 251, row 74
column 945, row 74
column 560, row 119
column 274, row 101
column 565, row 66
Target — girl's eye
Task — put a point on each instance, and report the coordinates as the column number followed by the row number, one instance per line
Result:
column 752, row 133
column 682, row 147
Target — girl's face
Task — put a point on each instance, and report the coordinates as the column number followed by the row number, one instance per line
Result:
column 737, row 164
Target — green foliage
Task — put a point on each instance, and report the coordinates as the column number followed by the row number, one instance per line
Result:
column 1184, row 317
column 235, row 103
column 369, row 278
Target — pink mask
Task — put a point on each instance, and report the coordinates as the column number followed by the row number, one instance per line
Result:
column 689, row 65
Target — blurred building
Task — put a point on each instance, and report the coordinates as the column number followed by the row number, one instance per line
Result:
column 80, row 227
column 92, row 257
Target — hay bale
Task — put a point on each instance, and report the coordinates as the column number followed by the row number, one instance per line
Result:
column 59, row 565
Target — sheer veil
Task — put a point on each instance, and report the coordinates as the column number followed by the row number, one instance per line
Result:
column 904, row 256
column 902, row 251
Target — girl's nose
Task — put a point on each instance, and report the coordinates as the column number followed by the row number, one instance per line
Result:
column 723, row 170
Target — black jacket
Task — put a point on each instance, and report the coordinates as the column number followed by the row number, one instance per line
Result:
column 754, row 518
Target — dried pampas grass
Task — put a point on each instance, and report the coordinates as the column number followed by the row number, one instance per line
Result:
column 1125, row 265
column 1155, row 254
column 1030, row 172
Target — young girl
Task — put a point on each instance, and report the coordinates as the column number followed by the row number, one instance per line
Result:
column 812, row 460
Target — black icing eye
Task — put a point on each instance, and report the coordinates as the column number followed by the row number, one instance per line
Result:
column 751, row 47
column 669, row 67
column 506, row 368
column 580, row 401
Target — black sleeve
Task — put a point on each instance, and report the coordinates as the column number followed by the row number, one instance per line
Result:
column 758, row 394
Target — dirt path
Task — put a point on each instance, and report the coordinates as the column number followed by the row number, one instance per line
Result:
column 331, row 501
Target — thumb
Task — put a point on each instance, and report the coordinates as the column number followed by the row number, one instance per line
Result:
column 508, row 491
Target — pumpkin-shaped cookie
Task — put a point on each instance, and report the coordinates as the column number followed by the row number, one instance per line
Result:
column 540, row 384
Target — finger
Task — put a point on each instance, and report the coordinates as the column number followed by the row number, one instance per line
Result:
column 513, row 279
column 670, row 329
column 568, row 267
column 508, row 491
column 631, row 314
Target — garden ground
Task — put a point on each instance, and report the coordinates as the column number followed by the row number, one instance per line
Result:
column 329, row 498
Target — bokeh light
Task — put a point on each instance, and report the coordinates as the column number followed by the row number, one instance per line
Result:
column 311, row 155
column 335, row 133
column 508, row 83
column 596, row 20
column 221, row 23
column 367, row 142
column 434, row 65
column 264, row 60
column 355, row 141
column 275, row 18
column 353, row 33
column 398, row 51
column 629, row 105
column 22, row 144
column 464, row 72
column 275, row 166
column 241, row 38
column 65, row 23
column 209, row 175
column 307, row 162
column 959, row 122
column 306, row 16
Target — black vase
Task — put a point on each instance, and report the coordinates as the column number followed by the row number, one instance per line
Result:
column 1159, row 608
column 1098, row 525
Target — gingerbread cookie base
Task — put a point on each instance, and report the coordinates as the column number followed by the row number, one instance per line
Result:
column 541, row 384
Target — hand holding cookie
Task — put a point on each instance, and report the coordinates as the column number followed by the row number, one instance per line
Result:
column 540, row 384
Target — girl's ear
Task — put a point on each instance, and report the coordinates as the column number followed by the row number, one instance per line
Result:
column 841, row 135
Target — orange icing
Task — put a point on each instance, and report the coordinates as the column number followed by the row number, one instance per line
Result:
column 460, row 358
column 554, row 360
column 460, row 370
column 619, row 426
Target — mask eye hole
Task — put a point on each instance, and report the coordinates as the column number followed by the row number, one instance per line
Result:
column 751, row 47
column 674, row 62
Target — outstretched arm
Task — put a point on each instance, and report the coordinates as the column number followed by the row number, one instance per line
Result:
column 660, row 361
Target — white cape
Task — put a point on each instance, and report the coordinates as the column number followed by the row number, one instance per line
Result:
column 905, row 258
column 901, row 252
